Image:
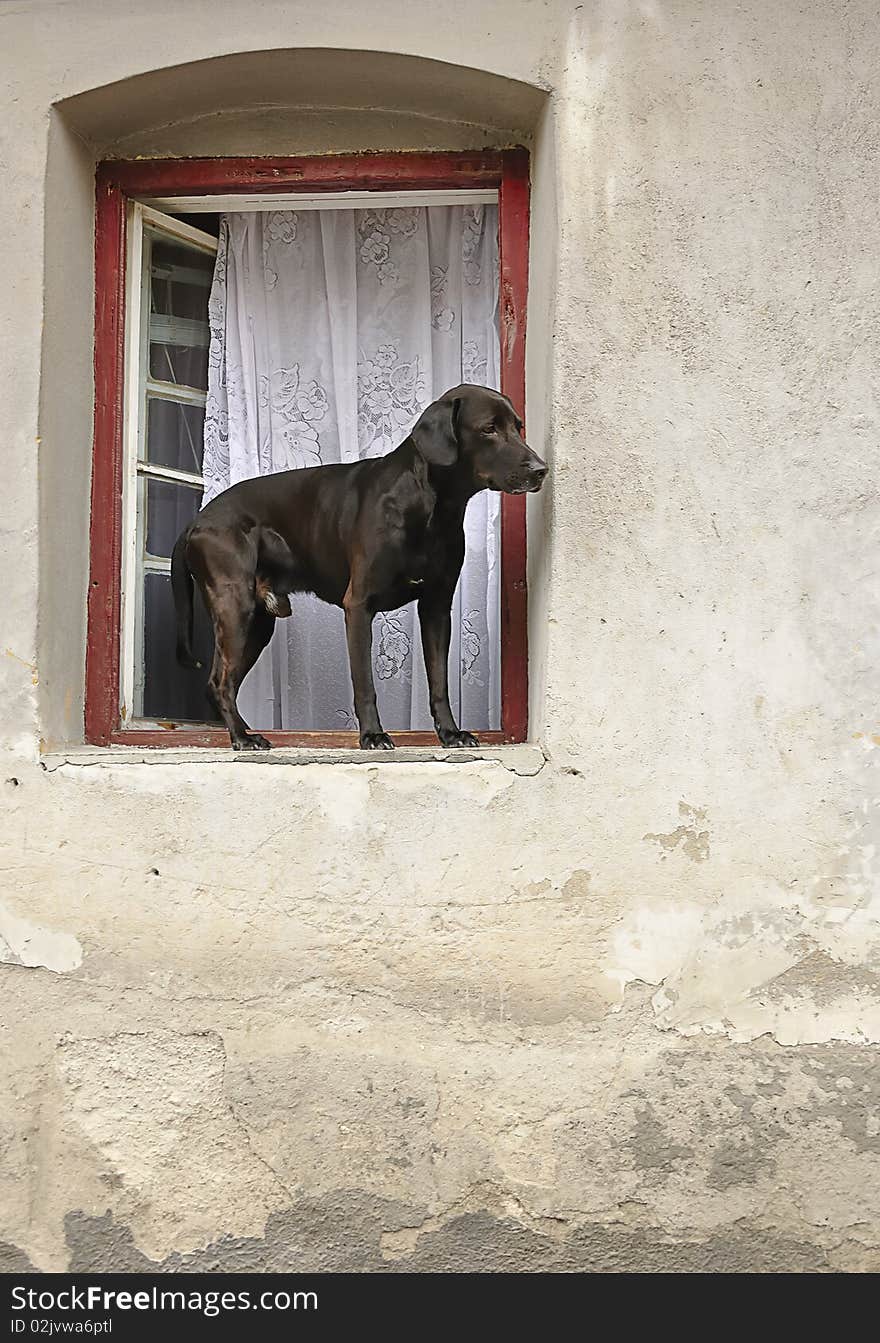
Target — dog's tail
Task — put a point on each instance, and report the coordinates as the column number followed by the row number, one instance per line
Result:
column 182, row 591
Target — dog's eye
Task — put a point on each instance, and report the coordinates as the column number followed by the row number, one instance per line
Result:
column 490, row 429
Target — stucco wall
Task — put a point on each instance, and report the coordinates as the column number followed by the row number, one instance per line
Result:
column 607, row 1002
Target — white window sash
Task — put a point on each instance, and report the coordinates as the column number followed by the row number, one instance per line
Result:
column 142, row 223
column 329, row 200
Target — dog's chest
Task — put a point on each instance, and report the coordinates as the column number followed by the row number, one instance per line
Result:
column 418, row 560
column 406, row 577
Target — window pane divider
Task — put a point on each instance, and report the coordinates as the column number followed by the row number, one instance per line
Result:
column 186, row 333
column 170, row 473
column 156, row 564
column 158, row 221
column 176, row 391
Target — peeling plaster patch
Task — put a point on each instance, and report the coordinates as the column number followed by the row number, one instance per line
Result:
column 14, row 1260
column 732, row 969
column 791, row 1121
column 814, row 1002
column 736, row 1163
column 24, row 943
column 789, row 1005
column 692, row 841
column 678, row 1144
column 651, row 1146
column 154, row 1106
column 649, row 945
column 729, row 959
column 577, row 887
column 851, row 1092
column 826, row 979
column 345, row 1232
column 350, row 1110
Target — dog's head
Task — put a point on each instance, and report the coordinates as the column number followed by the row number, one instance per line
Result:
column 479, row 431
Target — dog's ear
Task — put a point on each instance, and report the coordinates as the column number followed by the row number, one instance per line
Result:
column 434, row 432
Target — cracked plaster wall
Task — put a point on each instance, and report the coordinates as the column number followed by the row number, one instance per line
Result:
column 617, row 1009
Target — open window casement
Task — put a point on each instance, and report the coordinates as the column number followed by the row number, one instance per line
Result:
column 170, row 268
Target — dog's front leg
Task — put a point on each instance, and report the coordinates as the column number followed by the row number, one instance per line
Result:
column 435, row 618
column 359, row 633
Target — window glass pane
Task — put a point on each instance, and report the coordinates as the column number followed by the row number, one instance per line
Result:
column 175, row 434
column 171, row 691
column 169, row 509
column 179, row 364
column 180, row 283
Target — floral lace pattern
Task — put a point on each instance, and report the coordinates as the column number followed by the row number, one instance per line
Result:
column 471, row 648
column 471, row 236
column 391, row 393
column 375, row 231
column 217, row 300
column 473, row 363
column 279, row 226
column 215, row 462
column 300, row 406
column 393, row 646
column 442, row 317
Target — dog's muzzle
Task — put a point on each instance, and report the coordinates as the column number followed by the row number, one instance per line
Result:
column 528, row 483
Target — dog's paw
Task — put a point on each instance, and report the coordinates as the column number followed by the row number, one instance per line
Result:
column 376, row 741
column 253, row 742
column 457, row 738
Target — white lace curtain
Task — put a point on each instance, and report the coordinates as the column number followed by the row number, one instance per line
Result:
column 331, row 330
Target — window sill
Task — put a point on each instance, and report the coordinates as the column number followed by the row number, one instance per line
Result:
column 526, row 759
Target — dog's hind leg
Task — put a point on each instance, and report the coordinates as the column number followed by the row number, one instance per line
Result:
column 260, row 632
column 224, row 564
column 240, row 635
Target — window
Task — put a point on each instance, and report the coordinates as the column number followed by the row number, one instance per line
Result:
column 170, row 267
column 153, row 273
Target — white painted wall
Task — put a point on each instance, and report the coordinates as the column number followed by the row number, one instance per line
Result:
column 607, row 1004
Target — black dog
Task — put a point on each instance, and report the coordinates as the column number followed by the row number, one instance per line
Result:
column 367, row 536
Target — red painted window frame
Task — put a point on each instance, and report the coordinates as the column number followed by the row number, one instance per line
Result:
column 116, row 181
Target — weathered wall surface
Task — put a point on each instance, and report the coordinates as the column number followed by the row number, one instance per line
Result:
column 611, row 1003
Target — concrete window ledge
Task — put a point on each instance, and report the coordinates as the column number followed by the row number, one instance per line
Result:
column 526, row 759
